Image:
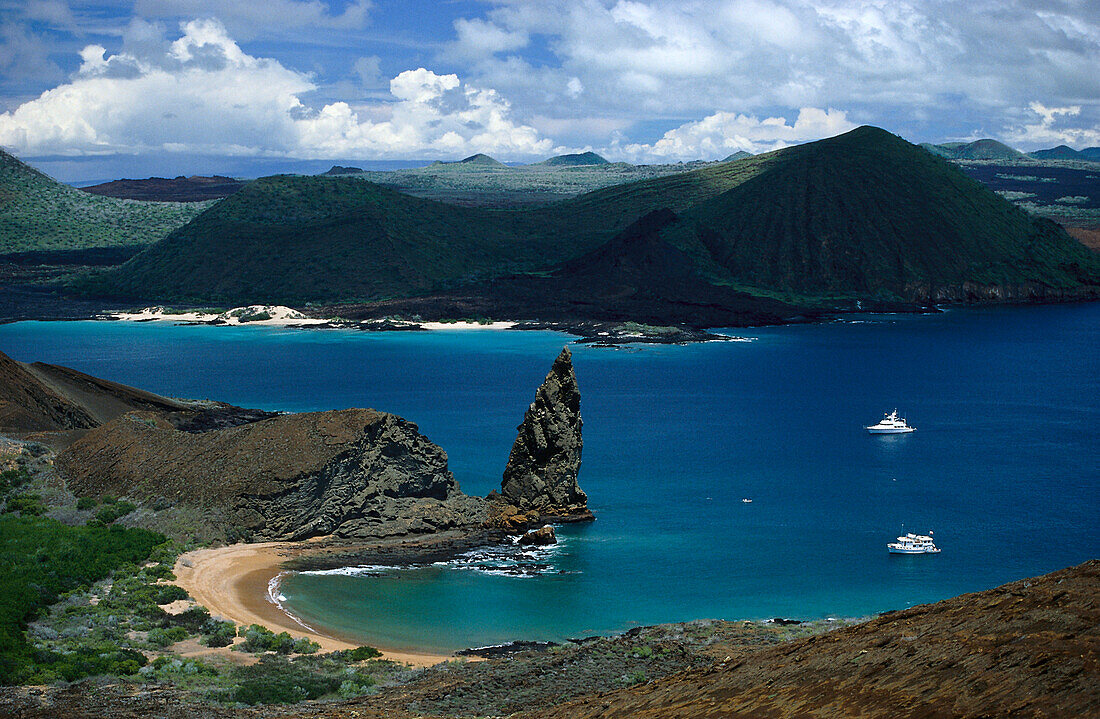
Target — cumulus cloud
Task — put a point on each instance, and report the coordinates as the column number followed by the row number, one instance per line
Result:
column 1054, row 126
column 900, row 59
column 201, row 93
column 724, row 133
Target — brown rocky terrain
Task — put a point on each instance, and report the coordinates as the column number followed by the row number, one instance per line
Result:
column 41, row 397
column 1026, row 649
column 354, row 474
column 57, row 404
column 196, row 188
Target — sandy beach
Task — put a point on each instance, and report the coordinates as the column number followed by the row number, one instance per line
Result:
column 280, row 316
column 232, row 582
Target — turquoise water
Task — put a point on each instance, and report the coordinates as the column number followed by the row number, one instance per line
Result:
column 1003, row 466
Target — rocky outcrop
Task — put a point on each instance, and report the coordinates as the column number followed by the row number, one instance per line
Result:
column 541, row 537
column 350, row 473
column 541, row 476
column 354, row 473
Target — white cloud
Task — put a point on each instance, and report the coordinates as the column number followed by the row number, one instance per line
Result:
column 203, row 94
column 477, row 37
column 889, row 59
column 724, row 133
column 1050, row 126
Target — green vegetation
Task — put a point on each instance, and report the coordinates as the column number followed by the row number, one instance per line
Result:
column 869, row 214
column 113, row 511
column 575, row 160
column 988, row 150
column 861, row 215
column 292, row 239
column 39, row 213
column 259, row 639
column 40, row 559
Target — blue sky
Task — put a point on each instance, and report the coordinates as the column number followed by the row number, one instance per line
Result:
column 91, row 90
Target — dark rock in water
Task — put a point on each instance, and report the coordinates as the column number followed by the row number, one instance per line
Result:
column 540, row 537
column 504, row 650
column 541, row 474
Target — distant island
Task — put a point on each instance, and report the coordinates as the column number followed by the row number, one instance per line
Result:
column 862, row 221
column 864, row 218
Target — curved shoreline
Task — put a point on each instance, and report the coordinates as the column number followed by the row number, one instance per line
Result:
column 235, row 583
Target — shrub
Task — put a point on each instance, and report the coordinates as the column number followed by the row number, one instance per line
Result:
column 192, row 619
column 164, row 637
column 168, row 593
column 360, row 654
column 14, row 478
column 85, row 503
column 218, row 633
column 261, row 639
column 29, row 505
column 113, row 511
column 277, row 680
column 305, row 646
column 159, row 571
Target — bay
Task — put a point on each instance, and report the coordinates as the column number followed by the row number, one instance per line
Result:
column 1003, row 466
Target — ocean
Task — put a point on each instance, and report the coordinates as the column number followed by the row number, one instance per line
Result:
column 1003, row 465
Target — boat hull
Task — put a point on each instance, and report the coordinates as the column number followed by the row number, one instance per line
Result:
column 892, row 430
column 895, row 550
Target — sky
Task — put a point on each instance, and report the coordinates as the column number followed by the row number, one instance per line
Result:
column 96, row 90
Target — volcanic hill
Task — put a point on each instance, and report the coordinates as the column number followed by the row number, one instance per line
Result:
column 861, row 216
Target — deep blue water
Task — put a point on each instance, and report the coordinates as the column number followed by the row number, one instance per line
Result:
column 1003, row 466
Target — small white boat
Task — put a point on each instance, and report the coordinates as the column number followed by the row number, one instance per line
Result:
column 914, row 544
column 891, row 423
column 746, row 500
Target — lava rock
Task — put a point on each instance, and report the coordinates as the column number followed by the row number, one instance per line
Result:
column 541, row 474
column 540, row 537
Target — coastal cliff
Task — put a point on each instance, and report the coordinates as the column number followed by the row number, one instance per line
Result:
column 350, row 474
column 540, row 479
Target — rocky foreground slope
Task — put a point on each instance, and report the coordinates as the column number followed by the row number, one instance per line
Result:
column 1026, row 649
column 355, row 473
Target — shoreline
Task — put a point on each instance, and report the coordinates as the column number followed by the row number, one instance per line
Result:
column 235, row 583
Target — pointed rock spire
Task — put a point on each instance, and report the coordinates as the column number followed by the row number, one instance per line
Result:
column 541, row 475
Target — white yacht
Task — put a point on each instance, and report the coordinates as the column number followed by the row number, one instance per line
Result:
column 913, row 544
column 891, row 424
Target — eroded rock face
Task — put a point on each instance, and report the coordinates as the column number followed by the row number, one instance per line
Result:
column 351, row 473
column 541, row 475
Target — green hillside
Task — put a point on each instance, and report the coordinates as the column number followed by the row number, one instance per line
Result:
column 982, row 150
column 40, row 213
column 739, row 155
column 576, row 159
column 862, row 214
column 867, row 214
column 296, row 239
